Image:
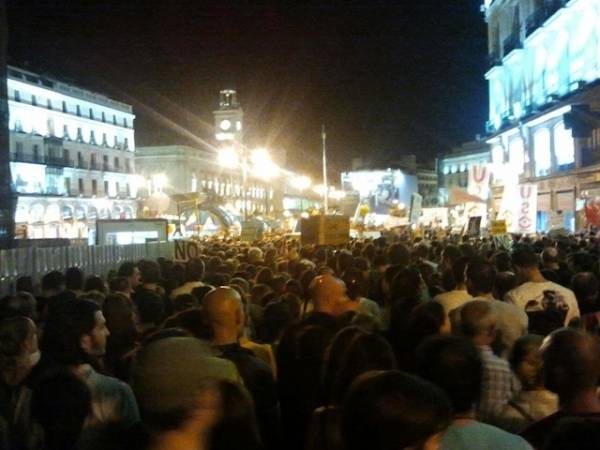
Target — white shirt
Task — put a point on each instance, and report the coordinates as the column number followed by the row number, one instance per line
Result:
column 452, row 299
column 530, row 296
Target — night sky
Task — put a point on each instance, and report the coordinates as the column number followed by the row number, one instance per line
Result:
column 386, row 77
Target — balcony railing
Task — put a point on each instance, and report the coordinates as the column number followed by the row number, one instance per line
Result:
column 494, row 60
column 41, row 159
column 512, row 42
column 539, row 17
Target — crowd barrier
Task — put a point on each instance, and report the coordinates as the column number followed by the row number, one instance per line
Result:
column 93, row 260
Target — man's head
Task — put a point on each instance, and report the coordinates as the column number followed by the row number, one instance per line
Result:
column 450, row 254
column 225, row 313
column 550, row 258
column 478, row 322
column 130, row 271
column 585, row 286
column 194, row 270
column 328, row 294
column 458, row 271
column 398, row 254
column 149, row 272
column 75, row 332
column 151, row 308
column 53, row 283
column 393, row 410
column 452, row 363
column 120, row 285
column 525, row 262
column 74, row 279
column 480, row 276
column 174, row 381
column 571, row 362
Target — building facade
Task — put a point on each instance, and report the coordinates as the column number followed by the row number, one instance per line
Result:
column 544, row 121
column 71, row 157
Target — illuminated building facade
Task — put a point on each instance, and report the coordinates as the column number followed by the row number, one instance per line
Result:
column 544, row 127
column 188, row 170
column 71, row 157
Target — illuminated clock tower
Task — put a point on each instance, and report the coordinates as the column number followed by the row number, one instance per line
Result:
column 229, row 117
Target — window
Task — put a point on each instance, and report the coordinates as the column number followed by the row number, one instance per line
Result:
column 114, row 119
column 116, row 142
column 66, row 133
column 125, row 122
column 79, row 134
column 36, row 152
column 66, row 155
column 105, row 187
column 33, row 100
column 19, row 147
column 49, row 104
column 93, row 165
column 516, row 155
column 91, row 114
column 116, row 162
column 17, row 96
column 541, row 150
column 92, row 138
column 128, row 189
column 81, row 185
column 64, row 106
column 68, row 185
column 94, row 187
column 564, row 147
column 78, row 110
column 104, row 140
column 103, row 117
column 126, row 144
column 18, row 126
column 117, row 190
column 127, row 166
column 80, row 161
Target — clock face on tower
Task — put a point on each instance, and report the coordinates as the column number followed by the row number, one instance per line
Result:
column 225, row 125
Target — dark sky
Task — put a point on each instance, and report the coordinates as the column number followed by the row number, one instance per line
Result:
column 386, row 77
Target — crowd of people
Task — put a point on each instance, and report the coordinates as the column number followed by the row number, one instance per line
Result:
column 449, row 344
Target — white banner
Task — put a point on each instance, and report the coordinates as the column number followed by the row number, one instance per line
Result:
column 479, row 181
column 526, row 212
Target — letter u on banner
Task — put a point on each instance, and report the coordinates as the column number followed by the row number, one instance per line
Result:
column 526, row 209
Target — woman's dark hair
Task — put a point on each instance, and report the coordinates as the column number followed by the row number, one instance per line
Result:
column 66, row 324
column 60, row 403
column 237, row 426
column 334, row 356
column 14, row 332
column 392, row 410
column 94, row 283
column 453, row 363
column 356, row 284
column 118, row 311
column 365, row 352
column 185, row 301
column 264, row 276
column 193, row 321
column 406, row 286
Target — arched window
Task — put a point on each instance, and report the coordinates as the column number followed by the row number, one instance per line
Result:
column 541, row 150
column 516, row 155
column 564, row 147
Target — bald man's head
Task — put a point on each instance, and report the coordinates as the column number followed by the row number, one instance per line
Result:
column 328, row 294
column 571, row 361
column 224, row 310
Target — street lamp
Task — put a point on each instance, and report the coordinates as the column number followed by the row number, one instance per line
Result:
column 228, row 157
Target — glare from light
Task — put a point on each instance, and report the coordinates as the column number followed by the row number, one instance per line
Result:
column 301, row 182
column 337, row 195
column 319, row 189
column 262, row 164
column 304, row 215
column 228, row 157
column 159, row 181
column 287, row 214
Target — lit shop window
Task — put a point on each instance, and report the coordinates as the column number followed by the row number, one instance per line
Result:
column 541, row 148
column 564, row 147
column 516, row 153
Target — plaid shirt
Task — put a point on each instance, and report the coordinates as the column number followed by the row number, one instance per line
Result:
column 498, row 385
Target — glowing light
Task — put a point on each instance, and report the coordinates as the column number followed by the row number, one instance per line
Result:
column 262, row 164
column 301, row 182
column 228, row 157
column 337, row 195
column 304, row 215
column 159, row 181
column 563, row 145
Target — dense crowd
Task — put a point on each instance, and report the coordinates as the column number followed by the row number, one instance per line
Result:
column 449, row 343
